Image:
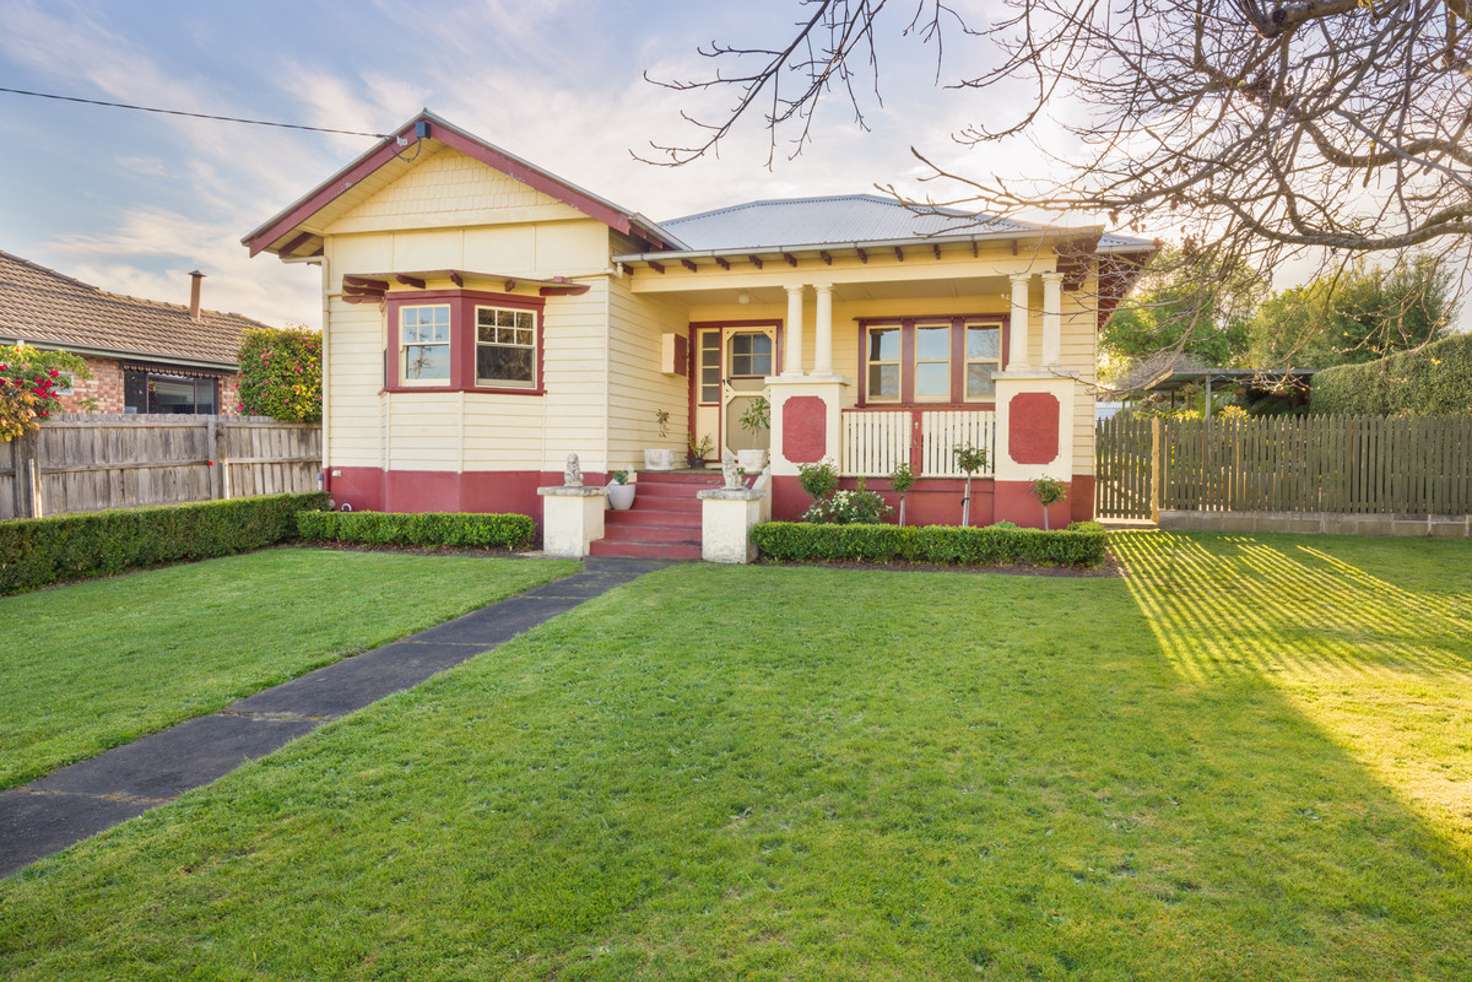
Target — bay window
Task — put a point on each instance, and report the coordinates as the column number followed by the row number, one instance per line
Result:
column 424, row 345
column 949, row 360
column 505, row 347
column 463, row 341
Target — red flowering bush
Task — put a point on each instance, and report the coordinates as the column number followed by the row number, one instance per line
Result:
column 30, row 384
column 281, row 374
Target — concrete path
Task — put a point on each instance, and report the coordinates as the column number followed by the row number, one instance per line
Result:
column 75, row 802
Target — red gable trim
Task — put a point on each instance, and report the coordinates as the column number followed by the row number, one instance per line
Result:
column 380, row 155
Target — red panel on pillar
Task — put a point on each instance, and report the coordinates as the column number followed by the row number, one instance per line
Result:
column 1032, row 428
column 804, row 429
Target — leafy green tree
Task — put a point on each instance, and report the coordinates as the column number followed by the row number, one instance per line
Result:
column 1359, row 315
column 281, row 374
column 1179, row 306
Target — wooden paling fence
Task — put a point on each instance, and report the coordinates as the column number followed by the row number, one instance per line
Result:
column 82, row 462
column 1347, row 464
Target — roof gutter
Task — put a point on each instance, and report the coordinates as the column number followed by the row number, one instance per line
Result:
column 978, row 237
column 149, row 356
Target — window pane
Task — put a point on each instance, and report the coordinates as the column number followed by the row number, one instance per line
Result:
column 710, row 339
column 506, row 318
column 427, row 361
column 761, row 364
column 503, row 365
column 204, row 395
column 979, row 384
column 932, row 343
column 983, row 342
column 485, row 332
column 170, row 395
column 932, row 380
column 710, row 393
column 741, row 344
column 741, row 364
column 884, row 381
column 524, row 336
column 884, row 345
column 524, row 320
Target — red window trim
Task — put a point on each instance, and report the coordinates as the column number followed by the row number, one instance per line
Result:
column 906, row 323
column 462, row 305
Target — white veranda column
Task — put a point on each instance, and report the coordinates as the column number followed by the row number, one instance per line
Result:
column 1017, row 355
column 792, row 362
column 1052, row 318
column 823, row 331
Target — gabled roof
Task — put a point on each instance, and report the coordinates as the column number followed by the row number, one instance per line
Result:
column 44, row 307
column 284, row 233
column 828, row 220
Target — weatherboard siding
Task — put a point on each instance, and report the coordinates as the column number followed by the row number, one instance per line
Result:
column 636, row 386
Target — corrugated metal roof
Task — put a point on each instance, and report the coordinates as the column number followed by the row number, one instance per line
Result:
column 41, row 305
column 841, row 218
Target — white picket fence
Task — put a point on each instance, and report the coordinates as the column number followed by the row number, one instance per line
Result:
column 875, row 442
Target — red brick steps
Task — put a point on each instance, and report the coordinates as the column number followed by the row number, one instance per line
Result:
column 664, row 522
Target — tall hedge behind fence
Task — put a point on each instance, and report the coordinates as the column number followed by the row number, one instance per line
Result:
column 1435, row 380
column 35, row 552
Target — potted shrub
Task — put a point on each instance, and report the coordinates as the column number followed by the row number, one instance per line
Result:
column 660, row 458
column 696, row 452
column 620, row 491
column 757, row 419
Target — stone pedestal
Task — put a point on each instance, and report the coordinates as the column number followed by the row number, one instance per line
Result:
column 1034, row 439
column 572, row 519
column 805, row 421
column 727, row 516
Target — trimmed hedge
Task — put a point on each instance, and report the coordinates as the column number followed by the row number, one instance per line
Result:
column 1434, row 381
column 941, row 544
column 37, row 551
column 382, row 528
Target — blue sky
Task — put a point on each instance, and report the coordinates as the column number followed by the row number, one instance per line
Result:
column 132, row 201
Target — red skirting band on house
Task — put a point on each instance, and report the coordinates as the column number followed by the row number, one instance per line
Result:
column 373, row 489
column 932, row 501
column 937, row 501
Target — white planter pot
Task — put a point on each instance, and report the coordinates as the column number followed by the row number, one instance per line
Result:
column 659, row 460
column 621, row 496
column 751, row 461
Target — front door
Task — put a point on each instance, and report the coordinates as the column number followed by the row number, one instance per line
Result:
column 731, row 370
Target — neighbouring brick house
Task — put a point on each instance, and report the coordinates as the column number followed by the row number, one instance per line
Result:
column 145, row 355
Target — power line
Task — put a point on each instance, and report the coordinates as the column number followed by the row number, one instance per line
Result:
column 181, row 112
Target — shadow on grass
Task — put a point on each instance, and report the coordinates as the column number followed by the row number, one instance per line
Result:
column 789, row 772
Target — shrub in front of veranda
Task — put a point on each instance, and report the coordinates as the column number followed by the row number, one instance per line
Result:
column 35, row 552
column 948, row 545
column 456, row 529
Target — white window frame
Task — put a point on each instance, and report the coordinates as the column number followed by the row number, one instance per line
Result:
column 404, row 346
column 491, row 383
column 968, row 361
column 898, row 362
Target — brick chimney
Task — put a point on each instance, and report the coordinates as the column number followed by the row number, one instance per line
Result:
column 195, row 278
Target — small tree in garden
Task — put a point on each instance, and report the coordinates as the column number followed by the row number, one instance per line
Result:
column 29, row 380
column 902, row 480
column 281, row 374
column 1049, row 491
column 818, row 480
column 970, row 459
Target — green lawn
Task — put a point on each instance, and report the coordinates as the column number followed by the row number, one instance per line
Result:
column 1250, row 758
column 95, row 664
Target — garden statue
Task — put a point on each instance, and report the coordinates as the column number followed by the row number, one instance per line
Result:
column 572, row 474
column 730, row 471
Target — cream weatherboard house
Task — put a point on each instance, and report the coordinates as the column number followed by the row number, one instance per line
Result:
column 483, row 319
